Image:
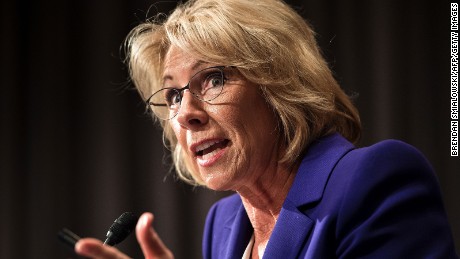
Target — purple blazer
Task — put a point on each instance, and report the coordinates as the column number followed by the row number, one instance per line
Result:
column 381, row 201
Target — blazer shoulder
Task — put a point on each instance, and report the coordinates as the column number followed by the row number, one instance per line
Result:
column 389, row 155
column 387, row 163
column 390, row 191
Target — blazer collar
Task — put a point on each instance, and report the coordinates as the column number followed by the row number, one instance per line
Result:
column 293, row 227
column 315, row 168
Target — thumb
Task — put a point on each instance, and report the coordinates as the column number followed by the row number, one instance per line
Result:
column 150, row 242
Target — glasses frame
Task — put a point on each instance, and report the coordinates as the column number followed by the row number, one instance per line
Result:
column 180, row 91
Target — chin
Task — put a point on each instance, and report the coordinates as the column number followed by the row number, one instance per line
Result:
column 216, row 183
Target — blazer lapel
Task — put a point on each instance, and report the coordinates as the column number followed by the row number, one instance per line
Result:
column 293, row 227
column 239, row 233
column 289, row 235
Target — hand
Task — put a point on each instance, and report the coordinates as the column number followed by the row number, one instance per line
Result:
column 150, row 242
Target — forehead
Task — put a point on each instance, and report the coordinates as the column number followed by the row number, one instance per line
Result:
column 177, row 60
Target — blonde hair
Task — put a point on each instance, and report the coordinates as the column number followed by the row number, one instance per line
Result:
column 271, row 45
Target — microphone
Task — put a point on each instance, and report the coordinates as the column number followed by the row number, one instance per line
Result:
column 121, row 228
column 68, row 237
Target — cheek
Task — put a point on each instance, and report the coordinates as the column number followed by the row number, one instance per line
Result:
column 178, row 133
column 240, row 109
column 175, row 128
column 261, row 128
column 213, row 110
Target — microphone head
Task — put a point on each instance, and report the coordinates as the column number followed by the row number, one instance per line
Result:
column 121, row 228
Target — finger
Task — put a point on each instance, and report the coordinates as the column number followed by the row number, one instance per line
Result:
column 150, row 242
column 93, row 248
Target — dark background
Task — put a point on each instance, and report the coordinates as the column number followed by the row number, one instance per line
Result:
column 76, row 149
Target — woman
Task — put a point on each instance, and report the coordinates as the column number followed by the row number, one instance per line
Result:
column 248, row 104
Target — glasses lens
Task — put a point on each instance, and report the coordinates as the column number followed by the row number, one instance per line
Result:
column 207, row 84
column 165, row 103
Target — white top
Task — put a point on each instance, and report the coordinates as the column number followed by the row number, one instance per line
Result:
column 248, row 251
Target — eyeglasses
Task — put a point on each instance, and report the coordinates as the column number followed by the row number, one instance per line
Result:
column 206, row 85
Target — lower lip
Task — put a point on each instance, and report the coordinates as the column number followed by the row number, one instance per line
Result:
column 211, row 160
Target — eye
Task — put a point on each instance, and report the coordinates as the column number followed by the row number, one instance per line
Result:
column 172, row 97
column 213, row 80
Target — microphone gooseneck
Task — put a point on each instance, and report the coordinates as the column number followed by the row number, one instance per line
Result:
column 121, row 228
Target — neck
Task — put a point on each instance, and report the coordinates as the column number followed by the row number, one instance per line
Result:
column 263, row 199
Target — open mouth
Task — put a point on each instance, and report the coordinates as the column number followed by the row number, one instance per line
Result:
column 209, row 149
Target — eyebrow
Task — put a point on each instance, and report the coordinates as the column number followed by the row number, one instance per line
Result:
column 194, row 67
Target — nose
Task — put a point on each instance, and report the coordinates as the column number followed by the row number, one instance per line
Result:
column 191, row 112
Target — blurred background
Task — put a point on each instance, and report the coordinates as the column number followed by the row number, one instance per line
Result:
column 76, row 149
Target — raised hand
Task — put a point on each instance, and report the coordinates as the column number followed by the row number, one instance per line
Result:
column 151, row 244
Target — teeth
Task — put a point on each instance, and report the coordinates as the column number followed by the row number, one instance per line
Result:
column 209, row 155
column 205, row 146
